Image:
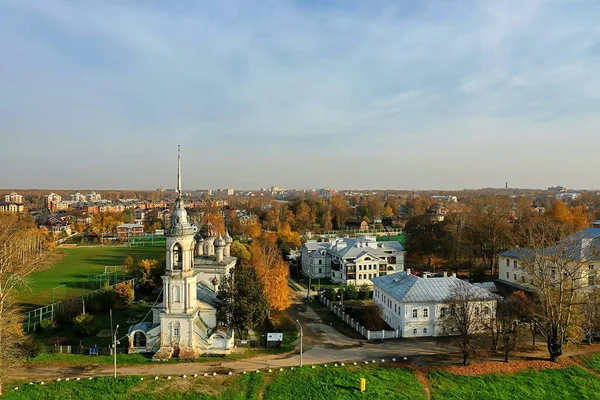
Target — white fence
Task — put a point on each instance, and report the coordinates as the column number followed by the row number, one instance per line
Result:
column 370, row 335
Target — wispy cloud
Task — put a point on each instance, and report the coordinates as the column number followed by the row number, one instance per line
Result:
column 286, row 82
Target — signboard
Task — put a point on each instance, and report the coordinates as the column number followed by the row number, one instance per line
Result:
column 274, row 337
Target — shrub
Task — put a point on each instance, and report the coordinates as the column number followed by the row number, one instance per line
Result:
column 329, row 293
column 32, row 348
column 125, row 294
column 364, row 292
column 350, row 292
column 85, row 325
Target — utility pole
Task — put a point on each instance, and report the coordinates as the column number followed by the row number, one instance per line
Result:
column 301, row 335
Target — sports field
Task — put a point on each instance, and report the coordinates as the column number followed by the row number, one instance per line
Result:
column 75, row 268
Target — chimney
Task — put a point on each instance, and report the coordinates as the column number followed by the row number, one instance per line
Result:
column 445, row 274
column 425, row 275
column 454, row 274
column 407, row 271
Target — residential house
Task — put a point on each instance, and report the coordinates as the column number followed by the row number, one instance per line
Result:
column 357, row 225
column 567, row 196
column 51, row 198
column 93, row 196
column 351, row 261
column 56, row 226
column 139, row 214
column 11, row 207
column 13, row 198
column 78, row 197
column 581, row 248
column 416, row 307
column 125, row 231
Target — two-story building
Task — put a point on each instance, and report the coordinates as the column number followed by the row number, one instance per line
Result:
column 125, row 231
column 13, row 198
column 581, row 250
column 11, row 207
column 351, row 261
column 416, row 307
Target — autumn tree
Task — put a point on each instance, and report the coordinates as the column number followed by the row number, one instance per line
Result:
column 423, row 236
column 464, row 317
column 272, row 270
column 145, row 271
column 125, row 293
column 557, row 274
column 23, row 250
column 242, row 301
column 105, row 224
column 340, row 210
column 327, row 221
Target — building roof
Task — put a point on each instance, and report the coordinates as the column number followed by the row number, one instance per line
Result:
column 206, row 294
column 412, row 289
column 580, row 246
column 130, row 226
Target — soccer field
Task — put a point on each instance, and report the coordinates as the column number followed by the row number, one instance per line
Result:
column 75, row 267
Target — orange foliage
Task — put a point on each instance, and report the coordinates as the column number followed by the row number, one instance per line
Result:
column 272, row 270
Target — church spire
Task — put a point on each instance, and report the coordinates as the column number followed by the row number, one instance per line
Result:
column 179, row 194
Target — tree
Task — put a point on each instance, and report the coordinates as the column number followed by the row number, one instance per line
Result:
column 242, row 300
column 364, row 292
column 85, row 325
column 423, row 236
column 241, row 252
column 350, row 292
column 272, row 270
column 104, row 223
column 329, row 293
column 326, row 221
column 23, row 250
column 125, row 293
column 556, row 271
column 146, row 271
column 590, row 318
column 510, row 313
column 465, row 317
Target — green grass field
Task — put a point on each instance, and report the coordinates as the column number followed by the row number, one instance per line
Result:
column 591, row 361
column 386, row 381
column 572, row 383
column 75, row 267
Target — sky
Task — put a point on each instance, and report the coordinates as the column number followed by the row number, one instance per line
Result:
column 431, row 94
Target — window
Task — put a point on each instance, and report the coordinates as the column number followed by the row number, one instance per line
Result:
column 320, row 270
column 443, row 312
column 476, row 310
column 175, row 331
column 320, row 262
column 395, row 307
column 415, row 313
column 515, row 276
column 176, row 294
column 591, row 280
column 507, row 275
column 507, row 262
column 415, row 331
column 591, row 266
column 424, row 330
column 360, row 267
column 359, row 276
column 425, row 312
column 486, row 311
column 515, row 264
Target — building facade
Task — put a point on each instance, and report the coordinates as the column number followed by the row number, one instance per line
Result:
column 185, row 323
column 582, row 249
column 11, row 207
column 13, row 198
column 416, row 307
column 125, row 231
column 351, row 261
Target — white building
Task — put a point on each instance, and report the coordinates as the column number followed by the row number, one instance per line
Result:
column 51, row 198
column 78, row 197
column 13, row 198
column 93, row 196
column 417, row 306
column 567, row 196
column 351, row 261
column 582, row 247
column 185, row 324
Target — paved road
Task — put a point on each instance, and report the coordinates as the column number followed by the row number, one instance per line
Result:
column 322, row 344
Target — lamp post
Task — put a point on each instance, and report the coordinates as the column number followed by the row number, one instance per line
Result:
column 301, row 335
column 115, row 348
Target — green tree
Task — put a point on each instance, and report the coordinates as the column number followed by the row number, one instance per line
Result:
column 364, row 292
column 242, row 300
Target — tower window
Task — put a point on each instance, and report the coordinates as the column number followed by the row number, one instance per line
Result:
column 177, row 256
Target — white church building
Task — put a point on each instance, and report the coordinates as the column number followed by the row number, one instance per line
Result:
column 184, row 324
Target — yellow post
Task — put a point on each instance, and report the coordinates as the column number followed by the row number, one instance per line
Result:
column 363, row 384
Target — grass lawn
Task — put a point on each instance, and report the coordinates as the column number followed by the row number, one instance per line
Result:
column 591, row 361
column 383, row 382
column 343, row 383
column 75, row 267
column 130, row 388
column 572, row 383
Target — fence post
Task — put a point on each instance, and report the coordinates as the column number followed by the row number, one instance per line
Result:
column 397, row 334
column 368, row 334
column 383, row 333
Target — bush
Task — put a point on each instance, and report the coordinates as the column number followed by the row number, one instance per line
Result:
column 329, row 293
column 125, row 294
column 350, row 292
column 85, row 325
column 364, row 292
column 32, row 348
column 46, row 325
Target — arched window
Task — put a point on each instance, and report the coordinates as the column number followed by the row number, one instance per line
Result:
column 176, row 294
column 177, row 256
column 139, row 339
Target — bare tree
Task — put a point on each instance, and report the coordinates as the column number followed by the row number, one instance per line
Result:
column 469, row 308
column 590, row 315
column 558, row 272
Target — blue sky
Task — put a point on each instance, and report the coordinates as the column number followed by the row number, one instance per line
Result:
column 445, row 94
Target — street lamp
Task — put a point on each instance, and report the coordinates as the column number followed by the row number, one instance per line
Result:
column 301, row 335
column 115, row 348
